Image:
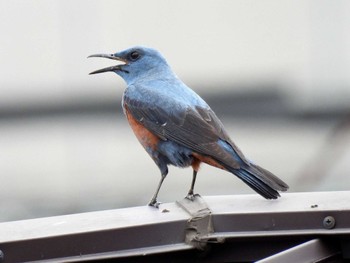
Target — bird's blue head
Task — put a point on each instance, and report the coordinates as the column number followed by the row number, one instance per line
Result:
column 138, row 62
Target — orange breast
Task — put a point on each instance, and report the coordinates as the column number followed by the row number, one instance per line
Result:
column 145, row 137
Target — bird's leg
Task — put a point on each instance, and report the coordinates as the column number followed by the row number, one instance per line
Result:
column 154, row 201
column 190, row 194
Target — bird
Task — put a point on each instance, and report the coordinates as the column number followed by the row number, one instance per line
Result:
column 176, row 126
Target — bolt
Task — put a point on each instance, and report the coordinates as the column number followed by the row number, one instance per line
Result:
column 329, row 222
column 1, row 256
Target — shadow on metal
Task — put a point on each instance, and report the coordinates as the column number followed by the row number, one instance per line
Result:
column 299, row 227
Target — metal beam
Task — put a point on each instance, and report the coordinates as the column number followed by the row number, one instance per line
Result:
column 228, row 225
column 314, row 250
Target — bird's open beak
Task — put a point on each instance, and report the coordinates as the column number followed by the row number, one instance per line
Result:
column 112, row 68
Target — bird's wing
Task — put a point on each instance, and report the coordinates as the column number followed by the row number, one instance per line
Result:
column 197, row 128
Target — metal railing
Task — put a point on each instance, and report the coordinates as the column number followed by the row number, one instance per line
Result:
column 299, row 227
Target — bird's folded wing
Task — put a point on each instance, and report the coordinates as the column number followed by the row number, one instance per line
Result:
column 196, row 128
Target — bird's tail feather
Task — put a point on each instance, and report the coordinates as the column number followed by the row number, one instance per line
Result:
column 260, row 180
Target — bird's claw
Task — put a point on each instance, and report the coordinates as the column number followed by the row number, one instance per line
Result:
column 191, row 196
column 154, row 203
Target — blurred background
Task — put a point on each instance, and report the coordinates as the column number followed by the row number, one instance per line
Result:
column 276, row 72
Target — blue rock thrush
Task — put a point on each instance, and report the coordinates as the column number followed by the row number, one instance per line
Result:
column 176, row 126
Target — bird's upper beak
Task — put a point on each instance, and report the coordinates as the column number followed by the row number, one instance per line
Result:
column 112, row 68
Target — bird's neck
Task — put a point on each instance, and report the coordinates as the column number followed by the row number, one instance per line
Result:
column 155, row 73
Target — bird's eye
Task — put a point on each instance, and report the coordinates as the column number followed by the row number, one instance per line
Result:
column 134, row 55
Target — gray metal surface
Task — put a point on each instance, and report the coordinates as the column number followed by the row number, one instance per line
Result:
column 314, row 250
column 240, row 222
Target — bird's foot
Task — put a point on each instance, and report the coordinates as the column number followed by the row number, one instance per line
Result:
column 154, row 203
column 191, row 196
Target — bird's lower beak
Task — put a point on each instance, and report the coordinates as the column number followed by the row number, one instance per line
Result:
column 112, row 68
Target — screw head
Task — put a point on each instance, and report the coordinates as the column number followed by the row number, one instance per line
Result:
column 329, row 222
